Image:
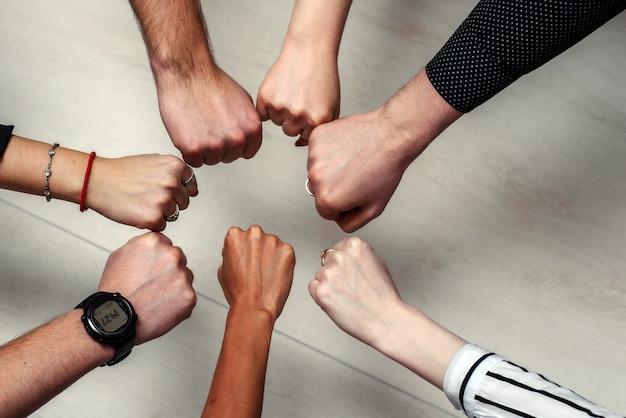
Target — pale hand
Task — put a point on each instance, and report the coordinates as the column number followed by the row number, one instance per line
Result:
column 300, row 92
column 140, row 190
column 356, row 290
column 355, row 164
column 153, row 275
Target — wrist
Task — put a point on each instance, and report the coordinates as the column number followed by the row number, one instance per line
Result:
column 68, row 174
column 416, row 115
column 259, row 318
column 92, row 352
column 391, row 328
column 302, row 43
column 97, row 183
column 420, row 344
column 169, row 66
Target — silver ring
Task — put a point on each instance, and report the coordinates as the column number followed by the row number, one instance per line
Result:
column 174, row 215
column 191, row 179
column 323, row 255
column 306, row 187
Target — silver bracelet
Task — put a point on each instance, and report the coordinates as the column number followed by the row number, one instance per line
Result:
column 46, row 190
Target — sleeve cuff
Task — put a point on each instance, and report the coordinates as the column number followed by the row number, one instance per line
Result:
column 5, row 135
column 462, row 377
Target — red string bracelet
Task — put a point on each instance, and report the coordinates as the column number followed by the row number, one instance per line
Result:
column 83, row 194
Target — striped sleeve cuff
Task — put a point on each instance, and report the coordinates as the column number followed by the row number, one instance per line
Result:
column 484, row 384
column 459, row 382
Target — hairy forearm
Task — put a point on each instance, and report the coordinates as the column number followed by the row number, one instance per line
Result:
column 417, row 342
column 41, row 364
column 416, row 115
column 239, row 377
column 317, row 25
column 175, row 36
column 24, row 163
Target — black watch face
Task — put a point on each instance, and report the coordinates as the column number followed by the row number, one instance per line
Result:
column 111, row 316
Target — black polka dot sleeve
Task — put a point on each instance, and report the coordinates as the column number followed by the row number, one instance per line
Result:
column 5, row 135
column 501, row 40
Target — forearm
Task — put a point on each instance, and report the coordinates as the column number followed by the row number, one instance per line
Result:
column 508, row 40
column 23, row 166
column 41, row 364
column 317, row 25
column 417, row 342
column 175, row 36
column 239, row 377
column 415, row 116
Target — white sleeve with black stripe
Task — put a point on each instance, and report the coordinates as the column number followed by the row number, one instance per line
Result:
column 484, row 384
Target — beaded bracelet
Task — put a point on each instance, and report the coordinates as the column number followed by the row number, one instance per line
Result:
column 46, row 190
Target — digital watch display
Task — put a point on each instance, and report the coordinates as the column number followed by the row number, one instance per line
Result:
column 109, row 318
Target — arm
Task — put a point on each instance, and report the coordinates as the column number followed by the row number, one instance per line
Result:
column 301, row 89
column 41, row 364
column 139, row 190
column 508, row 40
column 356, row 290
column 256, row 277
column 209, row 117
column 481, row 383
column 352, row 187
column 355, row 163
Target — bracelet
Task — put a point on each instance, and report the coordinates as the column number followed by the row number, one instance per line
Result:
column 46, row 190
column 83, row 194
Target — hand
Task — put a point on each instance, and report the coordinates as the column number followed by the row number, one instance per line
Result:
column 210, row 118
column 152, row 274
column 355, row 165
column 356, row 290
column 300, row 92
column 257, row 270
column 140, row 190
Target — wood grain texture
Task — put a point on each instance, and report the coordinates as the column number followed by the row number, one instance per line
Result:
column 510, row 229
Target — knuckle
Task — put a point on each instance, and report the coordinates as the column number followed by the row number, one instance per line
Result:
column 152, row 239
column 190, row 299
column 322, row 294
column 354, row 242
column 255, row 231
column 347, row 227
column 318, row 118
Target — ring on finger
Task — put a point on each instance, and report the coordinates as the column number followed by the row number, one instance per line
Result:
column 323, row 255
column 306, row 187
column 174, row 215
column 191, row 179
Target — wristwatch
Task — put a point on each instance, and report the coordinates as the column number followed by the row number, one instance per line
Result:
column 109, row 318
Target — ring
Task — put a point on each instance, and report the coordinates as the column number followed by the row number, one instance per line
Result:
column 323, row 255
column 190, row 180
column 174, row 215
column 306, row 187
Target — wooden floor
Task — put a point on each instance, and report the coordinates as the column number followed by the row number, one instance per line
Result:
column 510, row 229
